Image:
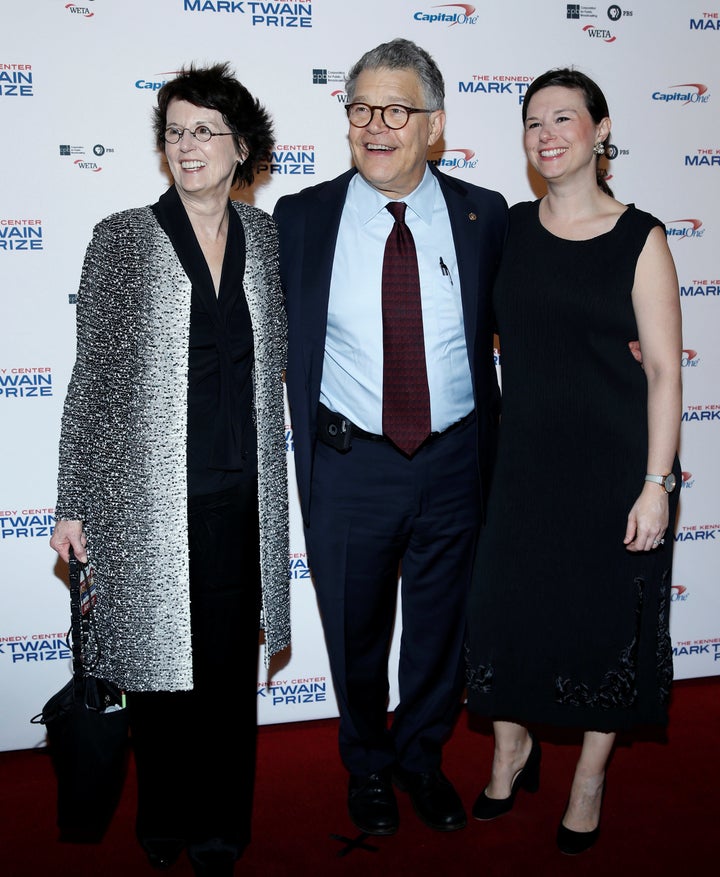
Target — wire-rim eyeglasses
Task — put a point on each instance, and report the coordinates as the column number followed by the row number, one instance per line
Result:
column 202, row 134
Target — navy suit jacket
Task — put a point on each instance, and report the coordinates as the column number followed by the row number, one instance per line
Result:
column 308, row 223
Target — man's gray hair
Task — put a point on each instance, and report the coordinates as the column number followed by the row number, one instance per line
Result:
column 400, row 54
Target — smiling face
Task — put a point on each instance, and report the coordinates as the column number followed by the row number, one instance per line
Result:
column 393, row 161
column 200, row 170
column 560, row 133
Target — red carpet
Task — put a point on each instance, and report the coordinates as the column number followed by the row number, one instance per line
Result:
column 659, row 817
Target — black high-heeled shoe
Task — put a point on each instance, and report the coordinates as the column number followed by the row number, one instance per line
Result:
column 528, row 778
column 574, row 842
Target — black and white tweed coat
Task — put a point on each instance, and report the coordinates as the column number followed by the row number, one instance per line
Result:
column 123, row 443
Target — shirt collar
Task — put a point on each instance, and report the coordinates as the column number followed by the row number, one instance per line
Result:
column 368, row 202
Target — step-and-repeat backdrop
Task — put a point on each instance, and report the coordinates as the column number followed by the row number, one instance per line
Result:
column 77, row 86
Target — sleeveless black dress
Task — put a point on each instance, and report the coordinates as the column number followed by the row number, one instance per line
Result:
column 566, row 626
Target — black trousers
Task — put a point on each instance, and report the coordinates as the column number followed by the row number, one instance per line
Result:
column 195, row 750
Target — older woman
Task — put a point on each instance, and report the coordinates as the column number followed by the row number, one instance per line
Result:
column 173, row 469
column 568, row 618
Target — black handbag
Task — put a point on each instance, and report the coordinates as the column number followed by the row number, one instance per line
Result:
column 87, row 730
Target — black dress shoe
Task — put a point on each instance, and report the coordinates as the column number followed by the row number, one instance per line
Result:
column 159, row 861
column 372, row 805
column 212, row 863
column 573, row 842
column 528, row 778
column 433, row 797
column 162, row 854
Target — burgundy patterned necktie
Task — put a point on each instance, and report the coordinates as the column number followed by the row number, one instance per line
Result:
column 406, row 397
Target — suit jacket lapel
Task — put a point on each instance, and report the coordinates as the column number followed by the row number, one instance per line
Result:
column 322, row 224
column 464, row 216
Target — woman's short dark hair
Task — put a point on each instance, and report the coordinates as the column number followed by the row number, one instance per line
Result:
column 216, row 88
column 592, row 95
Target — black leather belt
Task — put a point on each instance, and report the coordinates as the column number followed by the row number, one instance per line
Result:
column 338, row 431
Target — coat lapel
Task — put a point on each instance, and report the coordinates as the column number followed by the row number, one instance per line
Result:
column 322, row 223
column 464, row 221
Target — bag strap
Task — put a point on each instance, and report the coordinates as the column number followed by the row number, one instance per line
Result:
column 78, row 625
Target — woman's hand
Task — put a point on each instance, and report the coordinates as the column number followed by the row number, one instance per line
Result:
column 66, row 534
column 648, row 519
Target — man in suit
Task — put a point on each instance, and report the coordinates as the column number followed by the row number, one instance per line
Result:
column 370, row 508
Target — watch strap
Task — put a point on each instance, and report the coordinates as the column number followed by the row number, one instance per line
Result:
column 657, row 479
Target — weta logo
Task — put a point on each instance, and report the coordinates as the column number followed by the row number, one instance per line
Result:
column 82, row 11
column 599, row 33
column 87, row 166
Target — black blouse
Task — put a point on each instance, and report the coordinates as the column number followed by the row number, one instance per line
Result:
column 221, row 437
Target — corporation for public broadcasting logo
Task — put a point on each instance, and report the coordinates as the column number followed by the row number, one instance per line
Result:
column 575, row 11
column 464, row 15
column 323, row 76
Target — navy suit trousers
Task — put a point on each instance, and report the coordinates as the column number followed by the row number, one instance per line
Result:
column 375, row 514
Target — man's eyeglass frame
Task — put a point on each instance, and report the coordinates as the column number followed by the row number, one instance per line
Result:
column 409, row 110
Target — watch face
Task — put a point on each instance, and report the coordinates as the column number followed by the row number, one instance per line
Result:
column 669, row 483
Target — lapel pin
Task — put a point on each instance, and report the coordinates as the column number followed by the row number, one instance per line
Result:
column 472, row 217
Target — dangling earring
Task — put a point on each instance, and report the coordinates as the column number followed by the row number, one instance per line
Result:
column 599, row 148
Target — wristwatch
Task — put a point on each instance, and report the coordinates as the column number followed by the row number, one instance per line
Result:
column 667, row 481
